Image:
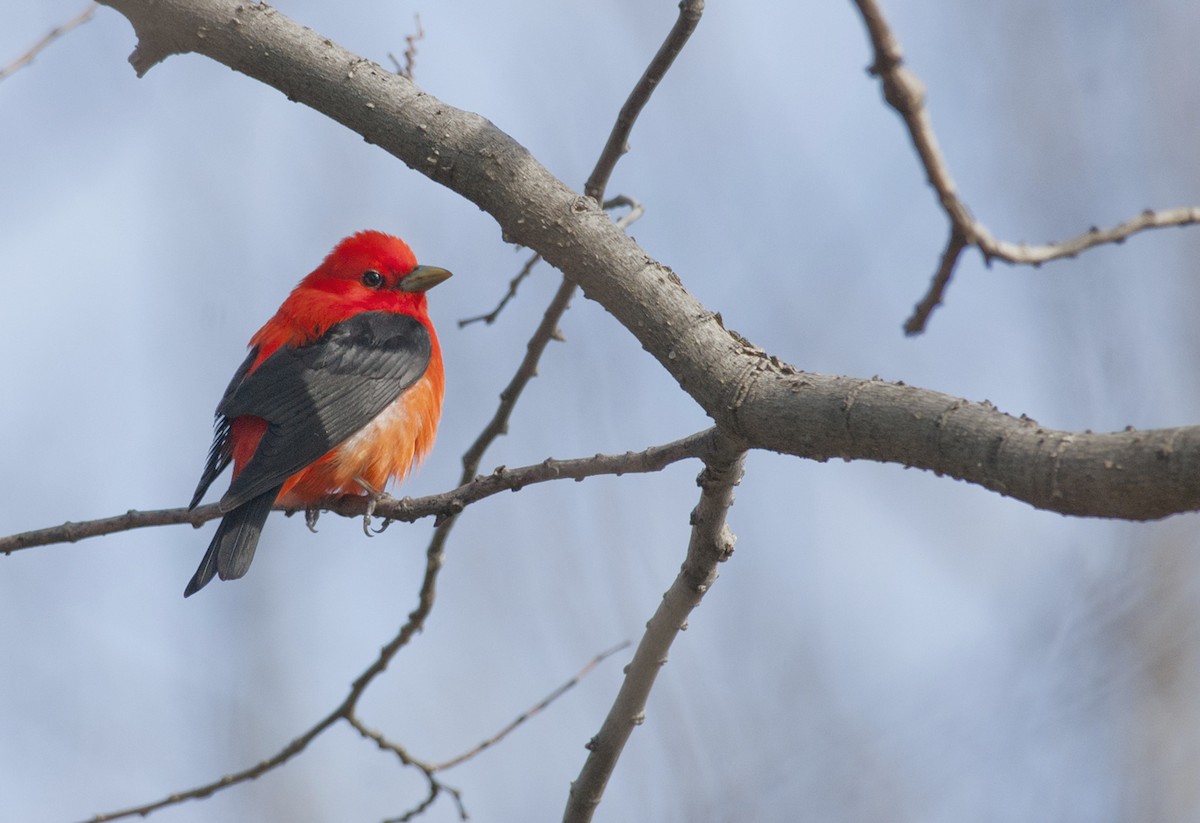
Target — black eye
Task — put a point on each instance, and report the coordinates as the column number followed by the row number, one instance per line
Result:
column 372, row 279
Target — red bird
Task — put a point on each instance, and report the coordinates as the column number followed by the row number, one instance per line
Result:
column 340, row 393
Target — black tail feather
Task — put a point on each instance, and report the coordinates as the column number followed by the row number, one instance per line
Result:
column 232, row 547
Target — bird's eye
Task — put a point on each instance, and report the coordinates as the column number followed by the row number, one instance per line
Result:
column 372, row 279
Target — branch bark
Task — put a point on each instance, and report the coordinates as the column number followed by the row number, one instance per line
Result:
column 748, row 393
column 408, row 509
column 711, row 543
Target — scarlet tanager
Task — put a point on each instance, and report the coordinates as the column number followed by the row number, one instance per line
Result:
column 340, row 393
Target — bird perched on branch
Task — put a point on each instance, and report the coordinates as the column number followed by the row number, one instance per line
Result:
column 340, row 393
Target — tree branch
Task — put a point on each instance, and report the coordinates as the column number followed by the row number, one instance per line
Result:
column 711, row 543
column 905, row 93
column 407, row 509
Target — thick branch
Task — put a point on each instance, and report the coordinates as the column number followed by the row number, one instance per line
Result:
column 710, row 544
column 747, row 392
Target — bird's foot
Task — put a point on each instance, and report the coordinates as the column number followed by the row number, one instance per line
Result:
column 373, row 495
column 311, row 513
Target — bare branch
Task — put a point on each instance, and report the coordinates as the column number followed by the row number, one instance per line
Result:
column 74, row 532
column 905, row 93
column 542, row 704
column 407, row 509
column 711, row 543
column 1036, row 255
column 54, row 33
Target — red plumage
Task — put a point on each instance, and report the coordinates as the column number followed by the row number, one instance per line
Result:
column 341, row 392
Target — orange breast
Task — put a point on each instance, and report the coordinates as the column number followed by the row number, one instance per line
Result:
column 386, row 449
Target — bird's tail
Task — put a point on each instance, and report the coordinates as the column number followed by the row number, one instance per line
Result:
column 232, row 547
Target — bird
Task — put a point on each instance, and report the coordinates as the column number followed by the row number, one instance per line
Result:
column 340, row 393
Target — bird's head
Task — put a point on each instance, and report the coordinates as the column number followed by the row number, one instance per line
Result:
column 372, row 270
column 368, row 271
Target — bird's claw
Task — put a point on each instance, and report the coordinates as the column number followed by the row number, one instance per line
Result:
column 311, row 513
column 371, row 500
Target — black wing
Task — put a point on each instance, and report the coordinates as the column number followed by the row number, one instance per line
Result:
column 316, row 396
column 219, row 454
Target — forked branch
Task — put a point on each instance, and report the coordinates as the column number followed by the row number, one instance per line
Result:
column 905, row 93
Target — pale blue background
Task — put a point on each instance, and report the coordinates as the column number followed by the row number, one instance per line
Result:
column 884, row 645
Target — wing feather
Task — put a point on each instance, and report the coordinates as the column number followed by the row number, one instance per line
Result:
column 315, row 397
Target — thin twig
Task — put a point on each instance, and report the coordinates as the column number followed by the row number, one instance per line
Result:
column 436, row 787
column 54, row 33
column 635, row 212
column 285, row 754
column 513, row 285
column 905, row 93
column 941, row 278
column 1036, row 255
column 542, row 704
column 690, row 12
column 711, row 543
column 410, row 51
column 407, row 509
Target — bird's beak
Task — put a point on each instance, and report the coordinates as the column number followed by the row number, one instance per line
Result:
column 422, row 278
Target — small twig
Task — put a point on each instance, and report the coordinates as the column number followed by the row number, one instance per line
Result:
column 513, row 285
column 635, row 212
column 690, row 12
column 387, row 745
column 54, row 33
column 711, row 543
column 905, row 93
column 1036, row 255
column 542, row 704
column 410, row 51
column 937, row 288
column 436, row 787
